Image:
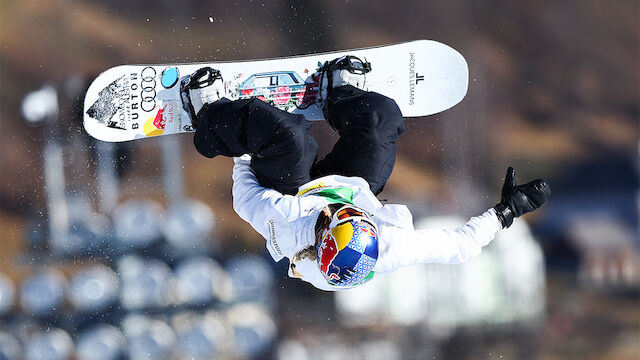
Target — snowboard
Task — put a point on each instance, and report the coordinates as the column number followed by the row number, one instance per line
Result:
column 131, row 102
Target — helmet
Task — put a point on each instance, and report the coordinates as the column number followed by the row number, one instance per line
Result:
column 348, row 247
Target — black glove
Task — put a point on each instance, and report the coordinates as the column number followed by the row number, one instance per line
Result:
column 517, row 200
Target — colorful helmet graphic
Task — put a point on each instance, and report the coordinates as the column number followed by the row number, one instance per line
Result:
column 348, row 248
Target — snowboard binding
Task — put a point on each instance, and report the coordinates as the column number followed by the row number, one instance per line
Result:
column 204, row 86
column 345, row 70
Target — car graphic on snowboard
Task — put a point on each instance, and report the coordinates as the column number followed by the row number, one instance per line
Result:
column 280, row 88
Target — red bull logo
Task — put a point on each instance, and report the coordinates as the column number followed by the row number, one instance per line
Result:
column 328, row 251
column 155, row 126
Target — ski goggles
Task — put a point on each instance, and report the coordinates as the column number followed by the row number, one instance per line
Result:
column 350, row 213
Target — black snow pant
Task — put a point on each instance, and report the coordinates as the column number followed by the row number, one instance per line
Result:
column 284, row 153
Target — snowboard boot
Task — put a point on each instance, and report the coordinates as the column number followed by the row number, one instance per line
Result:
column 204, row 86
column 345, row 70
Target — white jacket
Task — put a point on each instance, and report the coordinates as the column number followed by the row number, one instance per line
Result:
column 287, row 223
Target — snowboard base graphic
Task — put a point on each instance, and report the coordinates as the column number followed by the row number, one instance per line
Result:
column 131, row 102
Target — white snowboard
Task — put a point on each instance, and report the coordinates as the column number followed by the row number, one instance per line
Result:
column 131, row 102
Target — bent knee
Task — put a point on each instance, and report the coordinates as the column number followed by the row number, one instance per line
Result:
column 379, row 114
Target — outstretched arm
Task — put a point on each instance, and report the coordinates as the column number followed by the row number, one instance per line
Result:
column 447, row 246
column 405, row 247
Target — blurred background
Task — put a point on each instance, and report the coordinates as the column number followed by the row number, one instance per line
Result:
column 554, row 91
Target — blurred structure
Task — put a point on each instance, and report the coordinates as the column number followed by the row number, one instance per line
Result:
column 610, row 258
column 101, row 342
column 148, row 338
column 94, row 289
column 41, row 108
column 251, row 279
column 7, row 294
column 505, row 284
column 253, row 330
column 43, row 292
column 189, row 222
column 138, row 224
column 10, row 348
column 189, row 225
column 106, row 176
column 54, row 344
column 147, row 284
column 201, row 337
column 327, row 347
column 502, row 288
column 151, row 259
column 201, row 281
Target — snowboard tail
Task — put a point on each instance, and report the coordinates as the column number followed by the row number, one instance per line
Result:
column 131, row 102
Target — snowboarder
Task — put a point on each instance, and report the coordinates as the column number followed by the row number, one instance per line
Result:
column 324, row 215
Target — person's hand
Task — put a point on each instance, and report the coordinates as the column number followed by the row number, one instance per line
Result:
column 517, row 200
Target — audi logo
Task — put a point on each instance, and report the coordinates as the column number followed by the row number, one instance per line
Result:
column 148, row 86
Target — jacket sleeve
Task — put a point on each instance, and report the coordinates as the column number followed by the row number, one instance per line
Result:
column 405, row 246
column 267, row 210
